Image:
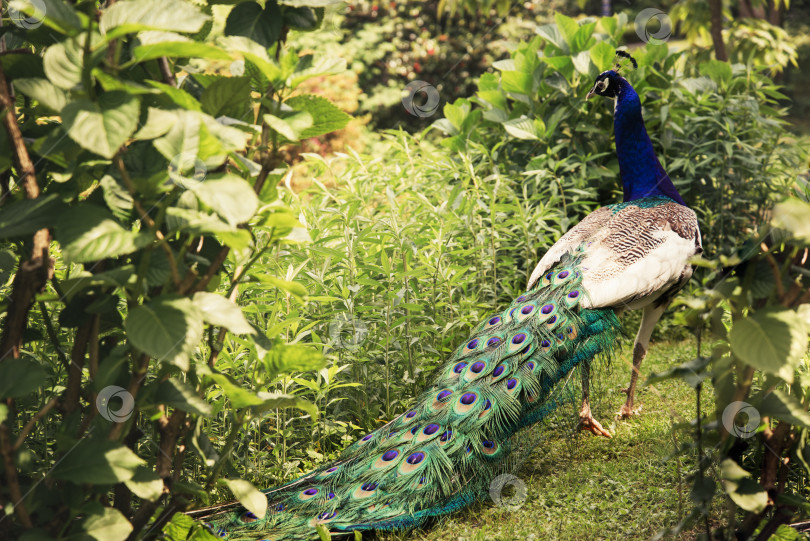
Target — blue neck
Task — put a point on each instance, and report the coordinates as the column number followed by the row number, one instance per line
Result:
column 642, row 174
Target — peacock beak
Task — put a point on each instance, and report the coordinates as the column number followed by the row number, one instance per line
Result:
column 592, row 92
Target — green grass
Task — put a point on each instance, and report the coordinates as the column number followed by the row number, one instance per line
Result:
column 581, row 487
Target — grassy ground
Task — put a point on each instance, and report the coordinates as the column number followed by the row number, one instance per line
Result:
column 580, row 487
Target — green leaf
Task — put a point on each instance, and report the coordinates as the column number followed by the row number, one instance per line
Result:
column 200, row 223
column 177, row 48
column 8, row 261
column 218, row 140
column 702, row 490
column 522, row 128
column 145, row 484
column 128, row 16
column 793, row 215
column 104, row 126
column 552, row 34
column 108, row 525
column 5, row 151
column 117, row 197
column 272, row 401
column 110, row 82
column 166, row 329
column 582, row 62
column 217, row 310
column 568, row 27
column 89, row 233
column 609, row 24
column 178, row 527
column 45, row 92
column 158, row 122
column 197, row 137
column 517, row 81
column 283, row 359
column 20, row 377
column 301, row 18
column 25, row 217
column 743, row 490
column 326, row 117
column 180, row 395
column 770, row 340
column 323, row 532
column 63, row 62
column 97, row 462
column 602, row 55
column 202, row 445
column 230, row 196
column 692, row 372
column 280, row 219
column 310, row 3
column 582, row 38
column 249, row 20
column 717, row 70
column 258, row 402
column 307, row 68
column 291, row 287
column 239, row 396
column 177, row 95
column 248, row 495
column 785, row 407
column 181, row 144
column 55, row 14
column 283, row 127
column 254, row 53
column 119, row 277
column 229, row 96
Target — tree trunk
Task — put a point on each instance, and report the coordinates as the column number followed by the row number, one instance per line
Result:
column 716, row 7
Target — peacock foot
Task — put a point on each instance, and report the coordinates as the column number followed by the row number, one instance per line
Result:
column 627, row 411
column 587, row 422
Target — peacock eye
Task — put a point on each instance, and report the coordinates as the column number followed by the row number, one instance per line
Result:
column 603, row 84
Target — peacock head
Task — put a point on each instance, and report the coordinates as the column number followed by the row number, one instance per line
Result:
column 609, row 83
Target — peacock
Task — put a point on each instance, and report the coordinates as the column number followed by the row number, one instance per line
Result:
column 444, row 452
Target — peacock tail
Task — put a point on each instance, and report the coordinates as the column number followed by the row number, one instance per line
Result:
column 444, row 452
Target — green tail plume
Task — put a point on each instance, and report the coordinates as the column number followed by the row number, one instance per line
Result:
column 443, row 453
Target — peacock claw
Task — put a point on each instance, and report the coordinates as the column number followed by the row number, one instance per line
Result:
column 593, row 426
column 587, row 422
column 625, row 412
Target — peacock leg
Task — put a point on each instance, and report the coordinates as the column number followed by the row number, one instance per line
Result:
column 586, row 420
column 652, row 313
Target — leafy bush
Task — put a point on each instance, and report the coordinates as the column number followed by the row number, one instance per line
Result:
column 755, row 311
column 159, row 136
column 161, row 197
column 715, row 127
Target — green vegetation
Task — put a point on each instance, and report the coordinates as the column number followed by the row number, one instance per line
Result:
column 200, row 298
column 581, row 487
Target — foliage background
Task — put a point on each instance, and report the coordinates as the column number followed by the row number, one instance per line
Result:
column 271, row 286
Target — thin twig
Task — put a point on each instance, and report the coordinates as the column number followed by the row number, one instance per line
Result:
column 52, row 334
column 32, row 275
column 77, row 355
column 225, row 451
column 150, row 223
column 780, row 289
column 31, row 422
column 166, row 71
column 21, row 50
column 212, row 269
column 11, row 478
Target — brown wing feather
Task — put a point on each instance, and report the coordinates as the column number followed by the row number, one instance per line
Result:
column 616, row 243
